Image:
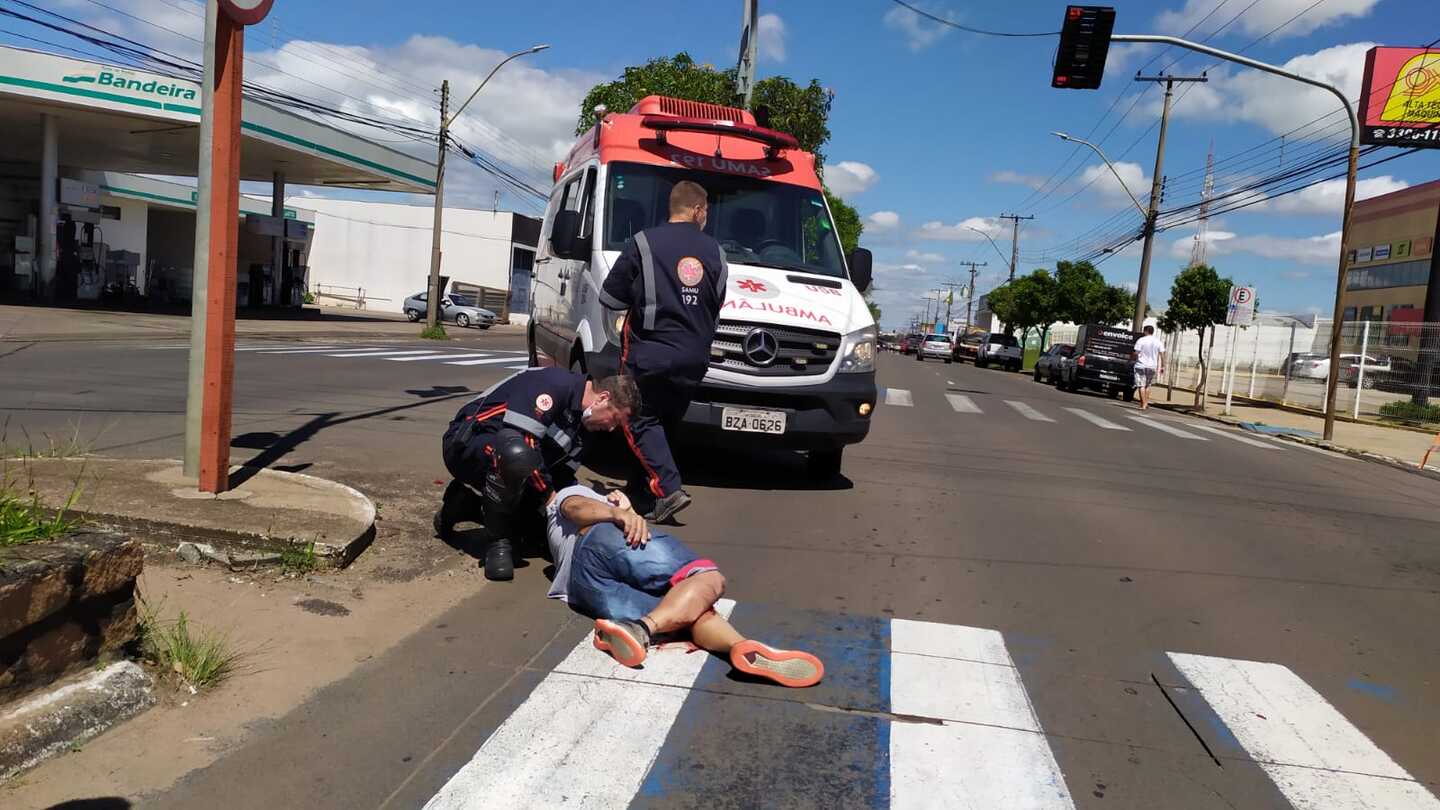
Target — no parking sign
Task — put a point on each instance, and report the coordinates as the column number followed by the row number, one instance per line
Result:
column 1242, row 306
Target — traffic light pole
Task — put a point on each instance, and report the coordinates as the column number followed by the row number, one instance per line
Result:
column 1333, row 377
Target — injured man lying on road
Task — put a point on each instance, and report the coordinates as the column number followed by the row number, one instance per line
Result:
column 641, row 585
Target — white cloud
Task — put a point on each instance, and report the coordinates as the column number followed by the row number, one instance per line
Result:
column 1320, row 250
column 1103, row 183
column 770, row 38
column 1296, row 275
column 849, row 177
column 930, row 258
column 964, row 230
column 908, row 268
column 1264, row 17
column 1034, row 181
column 882, row 221
column 920, row 33
column 1328, row 198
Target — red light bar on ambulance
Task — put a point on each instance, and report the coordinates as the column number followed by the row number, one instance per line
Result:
column 750, row 132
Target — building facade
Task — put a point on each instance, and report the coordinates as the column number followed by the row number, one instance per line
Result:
column 1391, row 263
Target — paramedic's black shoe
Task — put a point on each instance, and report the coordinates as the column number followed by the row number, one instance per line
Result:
column 669, row 506
column 499, row 560
column 452, row 510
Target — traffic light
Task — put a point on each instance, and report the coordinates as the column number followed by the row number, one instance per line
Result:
column 1084, row 43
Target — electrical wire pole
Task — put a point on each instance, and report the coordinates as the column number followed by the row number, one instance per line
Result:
column 950, row 299
column 1152, row 212
column 970, row 291
column 1014, row 241
column 432, row 297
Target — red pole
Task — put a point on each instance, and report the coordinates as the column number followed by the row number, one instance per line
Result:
column 224, row 238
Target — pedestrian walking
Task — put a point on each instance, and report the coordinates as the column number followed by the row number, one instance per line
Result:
column 1149, row 359
column 670, row 283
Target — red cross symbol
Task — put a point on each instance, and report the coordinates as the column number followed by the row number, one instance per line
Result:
column 750, row 285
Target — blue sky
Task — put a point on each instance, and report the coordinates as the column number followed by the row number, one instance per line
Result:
column 933, row 130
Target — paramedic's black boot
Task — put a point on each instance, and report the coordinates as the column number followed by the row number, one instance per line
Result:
column 453, row 506
column 499, row 560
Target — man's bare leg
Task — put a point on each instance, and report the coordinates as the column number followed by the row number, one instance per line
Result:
column 1145, row 398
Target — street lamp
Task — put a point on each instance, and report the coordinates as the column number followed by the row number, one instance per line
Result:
column 432, row 305
column 1072, row 139
column 998, row 252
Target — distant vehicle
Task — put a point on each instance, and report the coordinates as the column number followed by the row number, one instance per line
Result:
column 1047, row 366
column 967, row 347
column 1400, row 376
column 462, row 315
column 1100, row 361
column 937, row 346
column 889, row 343
column 1316, row 366
column 910, row 343
column 1374, row 368
column 995, row 348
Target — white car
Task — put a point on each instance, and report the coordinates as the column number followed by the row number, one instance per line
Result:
column 462, row 315
column 937, row 346
column 792, row 364
column 1317, row 366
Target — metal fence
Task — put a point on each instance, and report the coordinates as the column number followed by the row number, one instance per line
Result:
column 1387, row 368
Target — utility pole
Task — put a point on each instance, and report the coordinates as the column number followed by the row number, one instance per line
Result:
column 745, row 70
column 1014, row 241
column 432, row 299
column 1153, row 211
column 950, row 299
column 970, row 295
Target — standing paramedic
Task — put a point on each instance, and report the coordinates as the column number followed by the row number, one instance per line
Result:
column 516, row 443
column 670, row 282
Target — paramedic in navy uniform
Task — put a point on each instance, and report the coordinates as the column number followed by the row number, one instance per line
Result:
column 670, row 282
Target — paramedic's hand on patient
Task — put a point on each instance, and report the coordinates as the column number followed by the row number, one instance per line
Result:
column 637, row 533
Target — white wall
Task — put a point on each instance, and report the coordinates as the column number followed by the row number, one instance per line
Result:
column 129, row 231
column 385, row 248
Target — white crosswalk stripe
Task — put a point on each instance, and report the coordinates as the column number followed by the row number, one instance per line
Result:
column 1098, row 421
column 381, row 353
column 963, row 404
column 439, row 356
column 491, row 361
column 1232, row 435
column 1161, row 426
column 313, row 350
column 1316, row 757
column 1027, row 411
column 898, row 396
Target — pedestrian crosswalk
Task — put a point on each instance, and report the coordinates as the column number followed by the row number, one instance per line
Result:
column 910, row 714
column 1046, row 412
column 503, row 358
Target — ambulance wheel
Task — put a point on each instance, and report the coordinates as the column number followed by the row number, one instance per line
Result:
column 822, row 465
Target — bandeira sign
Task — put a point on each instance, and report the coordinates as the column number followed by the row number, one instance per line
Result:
column 1400, row 97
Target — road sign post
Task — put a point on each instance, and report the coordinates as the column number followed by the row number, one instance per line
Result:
column 1240, row 312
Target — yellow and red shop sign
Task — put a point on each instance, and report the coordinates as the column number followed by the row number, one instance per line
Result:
column 1400, row 97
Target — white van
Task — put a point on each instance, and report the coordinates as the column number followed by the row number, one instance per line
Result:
column 793, row 362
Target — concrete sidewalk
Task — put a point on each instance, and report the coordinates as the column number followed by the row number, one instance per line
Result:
column 265, row 513
column 1397, row 445
column 23, row 324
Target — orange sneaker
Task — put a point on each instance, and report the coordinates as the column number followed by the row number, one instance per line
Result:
column 786, row 667
column 625, row 641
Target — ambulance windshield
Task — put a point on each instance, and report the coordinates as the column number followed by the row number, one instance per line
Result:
column 758, row 222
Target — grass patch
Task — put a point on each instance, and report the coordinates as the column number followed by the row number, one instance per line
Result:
column 199, row 657
column 295, row 559
column 24, row 520
column 436, row 332
column 1408, row 409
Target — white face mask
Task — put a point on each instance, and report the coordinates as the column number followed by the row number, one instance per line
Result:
column 585, row 417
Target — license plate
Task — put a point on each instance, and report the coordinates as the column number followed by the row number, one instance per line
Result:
column 1106, row 376
column 752, row 421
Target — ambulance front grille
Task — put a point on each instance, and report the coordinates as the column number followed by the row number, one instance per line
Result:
column 798, row 352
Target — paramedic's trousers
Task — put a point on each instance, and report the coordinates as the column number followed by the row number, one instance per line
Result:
column 663, row 401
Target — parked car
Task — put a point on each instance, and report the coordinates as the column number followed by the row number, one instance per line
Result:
column 1316, row 366
column 937, row 346
column 1047, row 366
column 1374, row 368
column 985, row 348
column 461, row 315
column 910, row 343
column 1101, row 361
column 1400, row 376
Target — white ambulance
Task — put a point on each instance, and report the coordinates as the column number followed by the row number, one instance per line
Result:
column 793, row 361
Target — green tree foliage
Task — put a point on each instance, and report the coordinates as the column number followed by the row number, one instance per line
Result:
column 1198, row 299
column 1083, row 296
column 1035, row 301
column 848, row 225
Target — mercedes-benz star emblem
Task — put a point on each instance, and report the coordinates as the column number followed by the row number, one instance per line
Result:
column 761, row 347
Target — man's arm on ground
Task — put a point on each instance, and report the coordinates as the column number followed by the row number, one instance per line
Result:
column 585, row 512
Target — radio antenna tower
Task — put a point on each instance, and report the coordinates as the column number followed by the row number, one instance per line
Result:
column 1202, row 228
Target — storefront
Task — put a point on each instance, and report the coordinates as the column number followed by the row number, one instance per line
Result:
column 78, row 223
column 1391, row 263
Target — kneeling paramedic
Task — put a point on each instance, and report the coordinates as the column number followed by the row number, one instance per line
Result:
column 518, row 441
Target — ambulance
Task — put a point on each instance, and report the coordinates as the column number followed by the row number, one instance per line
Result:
column 793, row 361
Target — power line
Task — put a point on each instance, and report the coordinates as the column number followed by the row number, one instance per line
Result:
column 953, row 24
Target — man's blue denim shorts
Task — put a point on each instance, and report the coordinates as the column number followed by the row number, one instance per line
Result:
column 610, row 580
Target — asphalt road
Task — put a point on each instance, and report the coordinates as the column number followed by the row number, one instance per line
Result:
column 1019, row 605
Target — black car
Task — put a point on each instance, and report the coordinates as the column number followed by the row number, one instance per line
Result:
column 1102, row 361
column 1047, row 366
column 1398, row 375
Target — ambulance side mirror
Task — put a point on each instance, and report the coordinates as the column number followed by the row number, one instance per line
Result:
column 565, row 239
column 861, row 263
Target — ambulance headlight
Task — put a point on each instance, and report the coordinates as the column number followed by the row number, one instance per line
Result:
column 857, row 351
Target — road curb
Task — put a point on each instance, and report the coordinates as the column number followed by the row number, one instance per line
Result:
column 1364, row 455
column 63, row 717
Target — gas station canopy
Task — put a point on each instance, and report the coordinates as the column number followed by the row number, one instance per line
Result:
column 127, row 120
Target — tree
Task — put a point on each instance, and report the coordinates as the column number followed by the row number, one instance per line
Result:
column 1083, row 296
column 874, row 307
column 1002, row 303
column 1198, row 300
column 848, row 225
column 1036, row 297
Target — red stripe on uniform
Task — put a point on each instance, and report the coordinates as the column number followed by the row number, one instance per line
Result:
column 493, row 412
column 692, row 568
column 654, row 478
